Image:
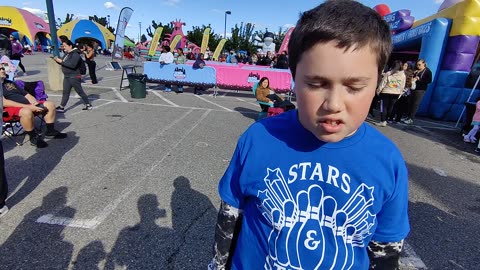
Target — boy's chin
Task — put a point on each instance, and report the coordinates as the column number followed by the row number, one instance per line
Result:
column 332, row 137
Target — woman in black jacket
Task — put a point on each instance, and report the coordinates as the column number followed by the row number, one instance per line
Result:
column 422, row 78
column 70, row 63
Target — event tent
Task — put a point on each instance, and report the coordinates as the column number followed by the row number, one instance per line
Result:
column 78, row 29
column 28, row 25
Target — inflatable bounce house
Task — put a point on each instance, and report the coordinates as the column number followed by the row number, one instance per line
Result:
column 31, row 29
column 86, row 29
column 449, row 43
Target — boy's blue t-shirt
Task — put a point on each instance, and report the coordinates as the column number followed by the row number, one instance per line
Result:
column 308, row 204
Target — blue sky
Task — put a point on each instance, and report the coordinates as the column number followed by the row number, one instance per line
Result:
column 270, row 14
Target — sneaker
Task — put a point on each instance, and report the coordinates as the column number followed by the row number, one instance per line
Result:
column 77, row 96
column 381, row 124
column 467, row 140
column 55, row 134
column 408, row 121
column 60, row 109
column 87, row 107
column 3, row 211
column 477, row 150
column 37, row 141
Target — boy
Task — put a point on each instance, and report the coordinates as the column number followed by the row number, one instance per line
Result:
column 333, row 193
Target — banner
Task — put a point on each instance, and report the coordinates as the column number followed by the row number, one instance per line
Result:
column 206, row 35
column 154, row 41
column 175, row 41
column 123, row 19
column 219, row 49
column 284, row 46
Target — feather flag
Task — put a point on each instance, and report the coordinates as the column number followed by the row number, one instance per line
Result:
column 206, row 35
column 154, row 41
column 175, row 41
column 219, row 49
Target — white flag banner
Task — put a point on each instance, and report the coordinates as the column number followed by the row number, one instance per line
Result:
column 123, row 19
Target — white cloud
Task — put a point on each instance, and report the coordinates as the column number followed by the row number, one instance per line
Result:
column 288, row 25
column 110, row 5
column 40, row 13
column 171, row 2
column 438, row 1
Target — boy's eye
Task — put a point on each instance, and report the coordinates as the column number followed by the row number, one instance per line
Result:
column 355, row 89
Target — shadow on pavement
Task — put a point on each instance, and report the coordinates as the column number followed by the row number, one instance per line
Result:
column 38, row 245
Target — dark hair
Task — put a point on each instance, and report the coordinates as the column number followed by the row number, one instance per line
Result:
column 180, row 49
column 68, row 42
column 422, row 61
column 81, row 46
column 346, row 22
column 263, row 79
column 396, row 67
column 166, row 48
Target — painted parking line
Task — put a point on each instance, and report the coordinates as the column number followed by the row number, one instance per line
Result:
column 163, row 98
column 254, row 104
column 211, row 102
column 98, row 219
column 119, row 95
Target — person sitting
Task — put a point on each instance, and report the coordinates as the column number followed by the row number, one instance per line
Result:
column 18, row 103
column 265, row 94
column 199, row 64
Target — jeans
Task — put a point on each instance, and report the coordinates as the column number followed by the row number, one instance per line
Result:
column 92, row 65
column 416, row 99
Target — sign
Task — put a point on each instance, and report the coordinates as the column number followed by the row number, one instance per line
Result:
column 399, row 20
column 413, row 33
column 123, row 19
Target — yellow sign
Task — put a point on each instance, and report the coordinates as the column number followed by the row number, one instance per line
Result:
column 175, row 41
column 206, row 35
column 219, row 49
column 154, row 42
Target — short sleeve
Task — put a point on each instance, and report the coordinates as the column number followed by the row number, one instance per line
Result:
column 393, row 223
column 229, row 186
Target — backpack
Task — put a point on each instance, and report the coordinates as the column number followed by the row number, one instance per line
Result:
column 82, row 66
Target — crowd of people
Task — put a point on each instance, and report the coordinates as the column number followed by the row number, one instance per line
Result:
column 400, row 92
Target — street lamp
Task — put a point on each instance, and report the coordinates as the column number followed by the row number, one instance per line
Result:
column 228, row 12
column 108, row 21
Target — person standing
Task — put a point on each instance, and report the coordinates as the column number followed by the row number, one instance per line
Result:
column 392, row 87
column 181, row 59
column 17, row 52
column 3, row 177
column 90, row 61
column 199, row 64
column 166, row 58
column 422, row 78
column 70, row 63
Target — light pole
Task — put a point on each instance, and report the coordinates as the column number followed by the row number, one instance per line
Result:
column 108, row 21
column 228, row 12
column 140, row 34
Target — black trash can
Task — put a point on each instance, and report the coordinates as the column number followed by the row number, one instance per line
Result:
column 138, row 85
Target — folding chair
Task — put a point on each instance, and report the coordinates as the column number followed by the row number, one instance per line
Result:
column 263, row 105
column 12, row 128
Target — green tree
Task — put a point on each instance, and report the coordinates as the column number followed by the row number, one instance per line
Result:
column 279, row 37
column 167, row 29
column 143, row 38
column 196, row 36
column 102, row 21
column 68, row 18
column 241, row 38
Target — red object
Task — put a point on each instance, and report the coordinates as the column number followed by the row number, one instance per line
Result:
column 382, row 9
column 274, row 111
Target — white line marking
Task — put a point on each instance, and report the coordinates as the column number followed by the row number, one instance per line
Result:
column 68, row 222
column 163, row 98
column 211, row 102
column 439, row 171
column 411, row 260
column 119, row 95
column 116, row 166
column 126, row 193
column 96, row 107
column 251, row 103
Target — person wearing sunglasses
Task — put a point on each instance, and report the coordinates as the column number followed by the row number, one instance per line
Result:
column 19, row 103
column 422, row 78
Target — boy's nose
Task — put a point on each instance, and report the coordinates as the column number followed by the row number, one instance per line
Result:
column 333, row 102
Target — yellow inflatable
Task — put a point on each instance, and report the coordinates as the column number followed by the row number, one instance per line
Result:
column 465, row 16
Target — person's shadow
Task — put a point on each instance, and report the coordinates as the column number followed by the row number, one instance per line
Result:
column 90, row 256
column 193, row 220
column 33, row 170
column 144, row 245
column 39, row 245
